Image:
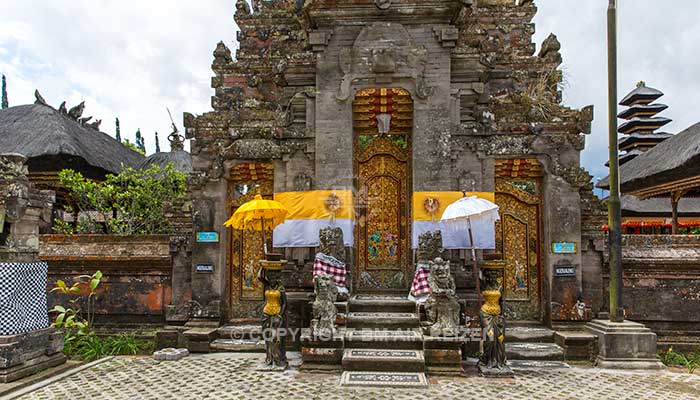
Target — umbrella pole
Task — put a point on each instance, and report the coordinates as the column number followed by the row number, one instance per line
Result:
column 475, row 269
column 475, row 264
column 262, row 228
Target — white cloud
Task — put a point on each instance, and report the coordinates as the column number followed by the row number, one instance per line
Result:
column 129, row 59
column 132, row 58
column 657, row 44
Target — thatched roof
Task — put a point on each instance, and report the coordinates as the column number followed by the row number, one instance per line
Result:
column 36, row 130
column 658, row 207
column 181, row 160
column 673, row 160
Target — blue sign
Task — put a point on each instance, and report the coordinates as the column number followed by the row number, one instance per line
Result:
column 564, row 248
column 208, row 237
column 205, row 268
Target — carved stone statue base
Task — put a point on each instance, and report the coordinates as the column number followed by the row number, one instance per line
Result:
column 504, row 372
column 272, row 367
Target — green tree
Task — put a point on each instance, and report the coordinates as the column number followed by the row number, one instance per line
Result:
column 132, row 146
column 131, row 203
column 5, row 103
column 119, row 131
column 157, row 144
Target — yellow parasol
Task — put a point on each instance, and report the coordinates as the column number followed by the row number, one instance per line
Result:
column 258, row 215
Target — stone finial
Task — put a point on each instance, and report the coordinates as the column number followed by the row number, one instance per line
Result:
column 77, row 111
column 39, row 98
column 242, row 8
column 222, row 56
column 550, row 49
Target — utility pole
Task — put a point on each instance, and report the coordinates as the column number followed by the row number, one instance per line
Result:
column 614, row 213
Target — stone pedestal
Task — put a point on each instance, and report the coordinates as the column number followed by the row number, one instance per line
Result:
column 28, row 353
column 624, row 345
column 322, row 354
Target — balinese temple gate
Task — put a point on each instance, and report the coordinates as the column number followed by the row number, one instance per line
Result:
column 387, row 111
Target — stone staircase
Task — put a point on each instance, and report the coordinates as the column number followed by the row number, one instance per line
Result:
column 239, row 338
column 383, row 345
column 531, row 345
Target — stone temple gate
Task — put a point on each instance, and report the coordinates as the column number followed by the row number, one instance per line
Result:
column 387, row 99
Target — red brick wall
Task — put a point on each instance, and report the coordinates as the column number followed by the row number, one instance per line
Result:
column 137, row 281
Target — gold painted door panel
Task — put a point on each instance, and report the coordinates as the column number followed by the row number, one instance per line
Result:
column 383, row 230
column 246, row 247
column 518, row 240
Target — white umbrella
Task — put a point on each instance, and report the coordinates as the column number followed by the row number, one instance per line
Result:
column 458, row 215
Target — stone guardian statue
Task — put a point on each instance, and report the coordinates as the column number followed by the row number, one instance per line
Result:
column 324, row 310
column 442, row 308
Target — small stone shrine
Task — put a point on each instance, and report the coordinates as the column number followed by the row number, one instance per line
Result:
column 27, row 343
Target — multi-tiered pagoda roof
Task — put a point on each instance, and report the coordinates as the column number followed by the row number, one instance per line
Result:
column 641, row 122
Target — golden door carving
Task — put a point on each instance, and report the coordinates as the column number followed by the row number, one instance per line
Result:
column 518, row 239
column 383, row 184
column 247, row 180
column 382, row 232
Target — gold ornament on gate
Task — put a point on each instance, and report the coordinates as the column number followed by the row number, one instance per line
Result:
column 432, row 206
column 333, row 204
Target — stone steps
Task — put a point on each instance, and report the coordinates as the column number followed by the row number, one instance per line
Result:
column 534, row 351
column 240, row 332
column 371, row 303
column 526, row 364
column 384, row 339
column 384, row 379
column 383, row 360
column 237, row 346
column 529, row 334
column 382, row 320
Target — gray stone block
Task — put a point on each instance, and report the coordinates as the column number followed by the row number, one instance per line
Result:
column 624, row 345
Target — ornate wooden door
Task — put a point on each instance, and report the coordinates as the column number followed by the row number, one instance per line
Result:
column 383, row 185
column 518, row 238
column 247, row 180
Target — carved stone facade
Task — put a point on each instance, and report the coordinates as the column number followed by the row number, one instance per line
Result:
column 483, row 110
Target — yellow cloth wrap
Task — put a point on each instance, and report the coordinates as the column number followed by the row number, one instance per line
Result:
column 491, row 305
column 273, row 302
column 312, row 204
column 444, row 199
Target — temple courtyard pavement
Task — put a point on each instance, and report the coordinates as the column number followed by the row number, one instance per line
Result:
column 234, row 376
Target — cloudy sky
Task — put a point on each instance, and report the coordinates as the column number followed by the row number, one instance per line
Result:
column 133, row 58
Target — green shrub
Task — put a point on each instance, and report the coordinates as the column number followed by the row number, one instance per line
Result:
column 670, row 358
column 132, row 202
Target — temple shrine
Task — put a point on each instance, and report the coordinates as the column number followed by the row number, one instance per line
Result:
column 377, row 115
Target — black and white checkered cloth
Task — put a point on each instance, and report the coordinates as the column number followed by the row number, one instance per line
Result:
column 23, row 297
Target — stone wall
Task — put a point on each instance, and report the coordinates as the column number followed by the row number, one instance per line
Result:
column 662, row 286
column 137, row 282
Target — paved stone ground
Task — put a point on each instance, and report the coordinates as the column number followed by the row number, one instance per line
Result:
column 233, row 376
